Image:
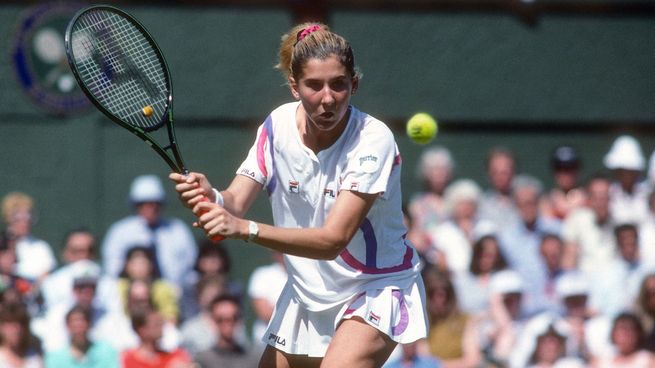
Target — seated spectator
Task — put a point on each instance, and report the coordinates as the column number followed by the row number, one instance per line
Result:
column 15, row 289
column 213, row 260
column 472, row 285
column 453, row 238
column 427, row 208
column 628, row 192
column 627, row 336
column 51, row 328
column 550, row 249
column 227, row 352
column 588, row 232
column 588, row 330
column 140, row 266
column 78, row 250
column 520, row 242
column 199, row 332
column 139, row 299
column 499, row 330
column 149, row 325
column 18, row 348
column 452, row 336
column 566, row 195
column 543, row 344
column 616, row 285
column 586, row 333
column 170, row 238
column 496, row 203
column 82, row 352
column 35, row 256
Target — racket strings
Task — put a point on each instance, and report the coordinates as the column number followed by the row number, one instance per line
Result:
column 121, row 68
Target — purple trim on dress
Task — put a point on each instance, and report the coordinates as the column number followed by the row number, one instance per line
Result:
column 268, row 130
column 404, row 314
column 371, row 254
column 370, row 241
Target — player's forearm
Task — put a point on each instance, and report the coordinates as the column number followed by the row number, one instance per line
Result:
column 316, row 243
column 239, row 195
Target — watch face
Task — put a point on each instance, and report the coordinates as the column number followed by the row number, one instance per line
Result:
column 253, row 230
column 39, row 59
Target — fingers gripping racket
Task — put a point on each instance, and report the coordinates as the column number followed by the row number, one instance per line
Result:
column 121, row 69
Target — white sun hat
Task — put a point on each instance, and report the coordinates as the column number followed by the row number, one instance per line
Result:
column 625, row 153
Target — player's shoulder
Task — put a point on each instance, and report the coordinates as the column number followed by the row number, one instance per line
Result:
column 370, row 125
column 283, row 112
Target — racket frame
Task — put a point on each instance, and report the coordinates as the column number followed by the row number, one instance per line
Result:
column 175, row 161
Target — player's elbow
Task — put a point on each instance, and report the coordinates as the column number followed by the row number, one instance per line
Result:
column 334, row 246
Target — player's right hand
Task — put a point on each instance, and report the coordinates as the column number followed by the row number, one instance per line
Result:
column 192, row 188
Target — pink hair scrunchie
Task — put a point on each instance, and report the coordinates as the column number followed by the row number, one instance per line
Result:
column 307, row 31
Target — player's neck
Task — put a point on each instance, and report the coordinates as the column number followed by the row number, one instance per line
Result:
column 314, row 138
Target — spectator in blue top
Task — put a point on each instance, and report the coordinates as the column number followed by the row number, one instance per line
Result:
column 82, row 352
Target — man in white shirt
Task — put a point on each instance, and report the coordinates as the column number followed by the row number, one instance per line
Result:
column 588, row 232
column 171, row 238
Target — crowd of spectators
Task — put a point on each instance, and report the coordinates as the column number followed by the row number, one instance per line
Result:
column 517, row 275
column 147, row 294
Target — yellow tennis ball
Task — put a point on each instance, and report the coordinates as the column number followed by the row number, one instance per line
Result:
column 422, row 128
column 147, row 111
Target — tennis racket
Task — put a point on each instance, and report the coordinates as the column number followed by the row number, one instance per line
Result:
column 121, row 69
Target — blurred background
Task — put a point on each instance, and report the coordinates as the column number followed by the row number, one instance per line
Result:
column 528, row 75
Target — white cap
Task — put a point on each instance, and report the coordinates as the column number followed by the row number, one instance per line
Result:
column 572, row 284
column 461, row 190
column 625, row 153
column 506, row 282
column 147, row 188
column 84, row 272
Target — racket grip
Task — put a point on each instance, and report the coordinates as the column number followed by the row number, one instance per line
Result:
column 216, row 238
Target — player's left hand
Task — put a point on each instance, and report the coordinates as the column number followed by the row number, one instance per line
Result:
column 215, row 220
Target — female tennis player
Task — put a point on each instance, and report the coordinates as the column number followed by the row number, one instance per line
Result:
column 332, row 174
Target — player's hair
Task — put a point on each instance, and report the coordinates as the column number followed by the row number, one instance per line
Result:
column 312, row 40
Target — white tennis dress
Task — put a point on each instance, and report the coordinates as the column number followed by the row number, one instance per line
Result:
column 302, row 187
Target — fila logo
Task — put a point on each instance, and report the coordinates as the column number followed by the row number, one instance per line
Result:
column 294, row 186
column 354, row 185
column 277, row 339
column 248, row 173
column 374, row 318
column 327, row 192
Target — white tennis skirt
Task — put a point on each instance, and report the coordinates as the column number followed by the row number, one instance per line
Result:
column 400, row 314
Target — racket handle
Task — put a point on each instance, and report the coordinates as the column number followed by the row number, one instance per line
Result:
column 216, row 238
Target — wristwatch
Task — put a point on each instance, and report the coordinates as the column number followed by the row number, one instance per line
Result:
column 253, row 230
